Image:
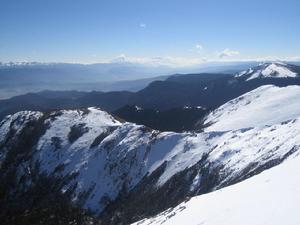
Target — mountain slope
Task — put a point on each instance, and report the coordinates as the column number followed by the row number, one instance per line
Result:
column 266, row 105
column 104, row 164
column 175, row 119
column 273, row 70
column 125, row 172
column 269, row 198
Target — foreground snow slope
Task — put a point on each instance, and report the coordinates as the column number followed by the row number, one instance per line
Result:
column 270, row 198
column 265, row 105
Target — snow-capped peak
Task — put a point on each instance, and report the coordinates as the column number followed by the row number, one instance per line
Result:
column 270, row 69
column 21, row 64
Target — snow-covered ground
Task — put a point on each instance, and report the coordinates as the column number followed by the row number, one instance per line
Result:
column 265, row 105
column 270, row 198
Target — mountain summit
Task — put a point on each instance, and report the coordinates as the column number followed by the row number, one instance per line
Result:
column 270, row 70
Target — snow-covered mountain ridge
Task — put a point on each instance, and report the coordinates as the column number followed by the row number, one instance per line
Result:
column 265, row 105
column 108, row 165
column 269, row 70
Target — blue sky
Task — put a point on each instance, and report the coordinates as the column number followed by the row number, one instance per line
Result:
column 185, row 31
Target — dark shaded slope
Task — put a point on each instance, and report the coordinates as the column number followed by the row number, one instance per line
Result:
column 177, row 91
column 53, row 100
column 175, row 119
column 108, row 101
column 190, row 91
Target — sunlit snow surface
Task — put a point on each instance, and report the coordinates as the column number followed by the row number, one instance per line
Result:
column 274, row 70
column 270, row 198
column 265, row 105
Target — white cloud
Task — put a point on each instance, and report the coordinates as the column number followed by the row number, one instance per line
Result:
column 175, row 61
column 159, row 60
column 119, row 59
column 269, row 58
column 199, row 46
column 228, row 53
column 182, row 61
column 143, row 25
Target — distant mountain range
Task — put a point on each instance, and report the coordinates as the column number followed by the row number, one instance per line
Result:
column 33, row 77
column 24, row 77
column 206, row 90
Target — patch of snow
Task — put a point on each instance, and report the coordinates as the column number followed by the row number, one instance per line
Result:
column 196, row 182
column 137, row 108
column 255, row 75
column 245, row 72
